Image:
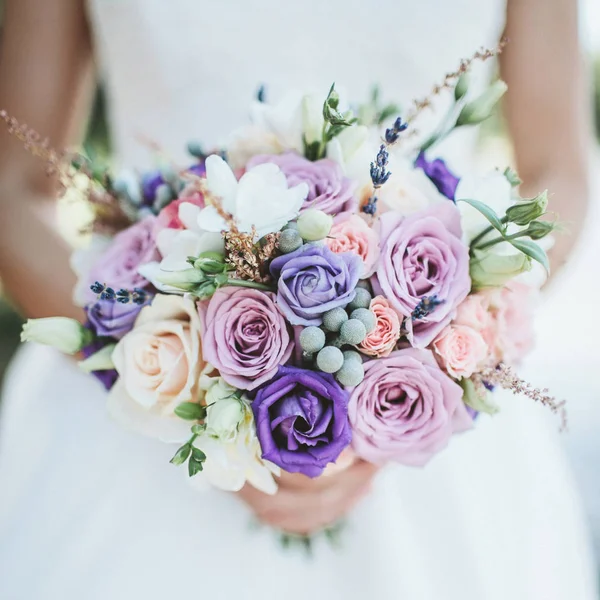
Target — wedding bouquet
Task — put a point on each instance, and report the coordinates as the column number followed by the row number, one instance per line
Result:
column 313, row 291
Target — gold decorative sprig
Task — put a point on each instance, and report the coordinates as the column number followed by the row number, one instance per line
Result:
column 503, row 376
column 450, row 79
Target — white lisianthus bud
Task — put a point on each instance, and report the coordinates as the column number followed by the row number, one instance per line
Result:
column 490, row 269
column 312, row 119
column 481, row 108
column 522, row 213
column 67, row 335
column 186, row 279
column 462, row 86
column 314, row 225
column 99, row 361
column 225, row 411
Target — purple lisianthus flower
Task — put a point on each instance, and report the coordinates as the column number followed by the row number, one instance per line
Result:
column 108, row 318
column 313, row 280
column 329, row 190
column 440, row 175
column 424, row 269
column 108, row 377
column 150, row 183
column 302, row 420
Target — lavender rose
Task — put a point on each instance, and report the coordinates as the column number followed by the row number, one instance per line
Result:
column 302, row 420
column 118, row 265
column 313, row 280
column 439, row 174
column 423, row 269
column 246, row 337
column 108, row 318
column 329, row 190
column 406, row 409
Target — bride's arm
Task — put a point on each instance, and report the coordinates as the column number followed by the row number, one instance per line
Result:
column 547, row 108
column 46, row 77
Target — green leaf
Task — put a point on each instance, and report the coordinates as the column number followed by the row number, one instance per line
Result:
column 190, row 411
column 487, row 212
column 198, row 455
column 194, row 466
column 198, row 429
column 221, row 279
column 181, row 455
column 478, row 398
column 387, row 112
column 533, row 250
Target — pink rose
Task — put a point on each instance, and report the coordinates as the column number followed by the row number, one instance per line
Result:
column 246, row 336
column 382, row 340
column 511, row 308
column 474, row 312
column 461, row 350
column 406, row 409
column 170, row 218
column 159, row 363
column 350, row 233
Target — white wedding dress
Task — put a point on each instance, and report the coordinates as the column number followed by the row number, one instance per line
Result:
column 89, row 511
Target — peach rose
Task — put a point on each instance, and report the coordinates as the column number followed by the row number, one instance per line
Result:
column 382, row 340
column 350, row 233
column 474, row 312
column 461, row 350
column 159, row 364
column 511, row 308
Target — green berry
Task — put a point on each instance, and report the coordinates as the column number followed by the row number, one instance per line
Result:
column 353, row 332
column 314, row 225
column 364, row 283
column 362, row 299
column 289, row 241
column 330, row 359
column 366, row 317
column 312, row 339
column 333, row 319
column 351, row 373
column 352, row 355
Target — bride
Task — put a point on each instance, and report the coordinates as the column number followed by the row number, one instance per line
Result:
column 91, row 512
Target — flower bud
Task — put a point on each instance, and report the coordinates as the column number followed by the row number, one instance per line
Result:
column 225, row 411
column 312, row 119
column 481, row 108
column 489, row 269
column 462, row 86
column 99, row 361
column 523, row 213
column 314, row 225
column 186, row 279
column 539, row 229
column 210, row 262
column 67, row 335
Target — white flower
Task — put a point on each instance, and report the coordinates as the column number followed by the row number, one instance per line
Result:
column 492, row 189
column 260, row 198
column 99, row 361
column 354, row 150
column 176, row 245
column 225, row 411
column 312, row 118
column 66, row 335
column 230, row 464
column 408, row 190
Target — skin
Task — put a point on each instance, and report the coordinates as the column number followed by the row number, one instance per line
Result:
column 46, row 81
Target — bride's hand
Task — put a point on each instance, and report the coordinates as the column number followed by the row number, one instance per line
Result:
column 303, row 505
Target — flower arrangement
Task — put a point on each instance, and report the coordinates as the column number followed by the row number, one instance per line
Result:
column 282, row 300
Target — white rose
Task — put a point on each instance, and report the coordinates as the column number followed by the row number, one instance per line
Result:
column 225, row 411
column 159, row 364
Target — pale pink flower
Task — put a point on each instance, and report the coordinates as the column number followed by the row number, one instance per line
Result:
column 461, row 349
column 350, row 233
column 474, row 312
column 169, row 217
column 382, row 340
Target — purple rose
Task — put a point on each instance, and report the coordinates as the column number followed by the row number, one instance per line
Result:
column 437, row 171
column 313, row 280
column 117, row 267
column 108, row 318
column 406, row 409
column 423, row 269
column 107, row 378
column 246, row 337
column 302, row 420
column 329, row 190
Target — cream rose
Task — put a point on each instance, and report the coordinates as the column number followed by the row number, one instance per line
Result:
column 461, row 350
column 159, row 364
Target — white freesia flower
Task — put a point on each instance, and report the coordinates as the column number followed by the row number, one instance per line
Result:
column 260, row 198
column 175, row 245
column 230, row 464
column 66, row 335
column 354, row 150
column 492, row 189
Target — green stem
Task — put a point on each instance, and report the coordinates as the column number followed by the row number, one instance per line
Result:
column 249, row 284
column 503, row 238
column 444, row 130
column 486, row 231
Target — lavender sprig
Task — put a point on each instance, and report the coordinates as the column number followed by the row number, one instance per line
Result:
column 123, row 296
column 425, row 307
